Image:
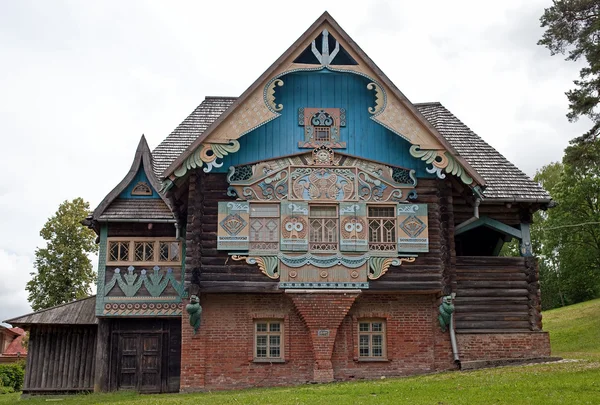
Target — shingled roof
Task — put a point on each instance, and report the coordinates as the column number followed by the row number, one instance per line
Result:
column 503, row 179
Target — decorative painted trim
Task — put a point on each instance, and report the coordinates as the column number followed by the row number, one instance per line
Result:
column 378, row 266
column 291, row 179
column 352, row 262
column 268, row 265
column 380, row 99
column 441, row 160
column 329, row 285
column 207, row 153
column 155, row 283
column 142, row 309
column 269, row 95
column 101, row 269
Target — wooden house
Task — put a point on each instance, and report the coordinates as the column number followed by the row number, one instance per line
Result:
column 11, row 345
column 319, row 227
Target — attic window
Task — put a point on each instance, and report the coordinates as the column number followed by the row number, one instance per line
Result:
column 142, row 188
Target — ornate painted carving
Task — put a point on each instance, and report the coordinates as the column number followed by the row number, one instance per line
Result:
column 141, row 188
column 322, row 183
column 446, row 309
column 155, row 283
column 142, row 309
column 413, row 233
column 323, row 261
column 194, row 310
column 233, row 231
column 378, row 266
column 207, row 153
column 270, row 95
column 441, row 160
column 268, row 265
column 358, row 180
column 380, row 98
column 322, row 127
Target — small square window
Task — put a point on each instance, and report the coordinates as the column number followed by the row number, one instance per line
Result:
column 268, row 340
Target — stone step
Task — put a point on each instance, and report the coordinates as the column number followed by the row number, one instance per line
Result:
column 479, row 364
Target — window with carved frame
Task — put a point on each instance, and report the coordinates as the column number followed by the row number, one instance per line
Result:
column 264, row 227
column 324, row 227
column 371, row 339
column 118, row 251
column 382, row 228
column 169, row 252
column 268, row 340
column 147, row 251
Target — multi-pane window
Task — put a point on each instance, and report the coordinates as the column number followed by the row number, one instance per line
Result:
column 382, row 228
column 324, row 227
column 268, row 340
column 264, row 226
column 169, row 252
column 147, row 251
column 371, row 339
column 118, row 251
column 144, row 251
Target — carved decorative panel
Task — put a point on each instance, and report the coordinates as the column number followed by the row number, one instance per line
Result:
column 322, row 127
column 356, row 180
column 413, row 232
column 233, row 225
column 294, row 226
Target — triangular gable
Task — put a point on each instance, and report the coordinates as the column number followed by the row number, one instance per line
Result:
column 257, row 106
column 135, row 183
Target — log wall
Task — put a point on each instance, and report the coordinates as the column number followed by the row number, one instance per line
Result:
column 497, row 294
column 60, row 359
column 213, row 270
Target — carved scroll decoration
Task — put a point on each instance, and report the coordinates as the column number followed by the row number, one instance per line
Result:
column 284, row 179
column 441, row 160
column 268, row 265
column 378, row 266
column 155, row 283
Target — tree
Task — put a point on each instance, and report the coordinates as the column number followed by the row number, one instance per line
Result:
column 570, row 232
column 573, row 28
column 64, row 270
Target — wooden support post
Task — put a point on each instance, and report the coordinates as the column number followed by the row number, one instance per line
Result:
column 525, row 241
column 102, row 356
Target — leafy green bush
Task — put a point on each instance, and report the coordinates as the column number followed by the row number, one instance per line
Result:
column 11, row 377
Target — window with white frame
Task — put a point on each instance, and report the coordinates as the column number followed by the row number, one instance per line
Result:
column 382, row 228
column 324, row 227
column 264, row 227
column 371, row 339
column 268, row 340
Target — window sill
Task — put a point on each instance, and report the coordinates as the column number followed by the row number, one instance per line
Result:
column 371, row 360
column 268, row 361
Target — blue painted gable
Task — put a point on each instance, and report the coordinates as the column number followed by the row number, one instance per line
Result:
column 325, row 89
column 140, row 176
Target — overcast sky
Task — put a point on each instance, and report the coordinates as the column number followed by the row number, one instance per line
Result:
column 81, row 81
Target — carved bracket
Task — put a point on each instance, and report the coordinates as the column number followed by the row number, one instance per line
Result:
column 441, row 160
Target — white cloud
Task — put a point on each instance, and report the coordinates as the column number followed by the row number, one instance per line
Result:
column 14, row 272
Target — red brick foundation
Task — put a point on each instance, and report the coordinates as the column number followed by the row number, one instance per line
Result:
column 483, row 346
column 221, row 355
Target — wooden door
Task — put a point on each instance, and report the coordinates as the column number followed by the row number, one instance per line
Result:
column 140, row 357
column 150, row 362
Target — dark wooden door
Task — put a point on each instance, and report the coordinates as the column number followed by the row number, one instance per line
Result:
column 140, row 357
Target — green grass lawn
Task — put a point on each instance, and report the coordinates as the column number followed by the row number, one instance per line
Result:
column 574, row 334
column 575, row 330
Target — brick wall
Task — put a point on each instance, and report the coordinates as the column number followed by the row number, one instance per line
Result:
column 221, row 355
column 484, row 346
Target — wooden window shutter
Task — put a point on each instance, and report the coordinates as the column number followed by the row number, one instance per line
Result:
column 413, row 229
column 294, row 226
column 353, row 227
column 233, row 225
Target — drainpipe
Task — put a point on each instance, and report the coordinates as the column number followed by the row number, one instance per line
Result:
column 176, row 230
column 453, row 336
column 474, row 218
